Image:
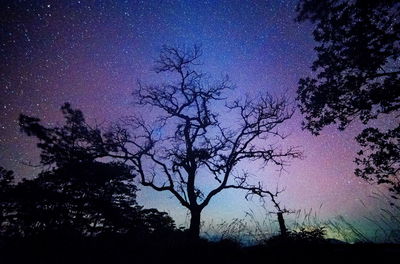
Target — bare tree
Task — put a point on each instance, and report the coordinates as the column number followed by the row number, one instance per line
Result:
column 189, row 140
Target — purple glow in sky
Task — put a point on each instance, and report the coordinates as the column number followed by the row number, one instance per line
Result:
column 91, row 53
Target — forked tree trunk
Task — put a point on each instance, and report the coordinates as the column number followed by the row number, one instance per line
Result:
column 194, row 229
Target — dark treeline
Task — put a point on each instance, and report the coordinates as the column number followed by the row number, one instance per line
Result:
column 74, row 192
column 75, row 203
column 86, row 212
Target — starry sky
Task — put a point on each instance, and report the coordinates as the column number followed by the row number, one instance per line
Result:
column 91, row 53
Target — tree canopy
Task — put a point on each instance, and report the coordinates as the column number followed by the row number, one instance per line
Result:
column 74, row 192
column 356, row 76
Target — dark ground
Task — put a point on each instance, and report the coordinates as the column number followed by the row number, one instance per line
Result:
column 56, row 248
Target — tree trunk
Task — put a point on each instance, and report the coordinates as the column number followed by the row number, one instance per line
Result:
column 194, row 229
column 282, row 225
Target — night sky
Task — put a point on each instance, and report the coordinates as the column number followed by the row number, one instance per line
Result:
column 91, row 53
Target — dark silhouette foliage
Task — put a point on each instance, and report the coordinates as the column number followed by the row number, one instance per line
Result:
column 310, row 235
column 75, row 193
column 75, row 141
column 356, row 76
column 382, row 159
column 302, row 238
column 86, row 198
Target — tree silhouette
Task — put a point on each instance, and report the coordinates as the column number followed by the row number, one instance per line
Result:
column 76, row 193
column 356, row 76
column 88, row 198
column 189, row 141
column 75, row 141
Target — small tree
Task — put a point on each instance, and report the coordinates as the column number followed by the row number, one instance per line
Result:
column 189, row 139
column 357, row 76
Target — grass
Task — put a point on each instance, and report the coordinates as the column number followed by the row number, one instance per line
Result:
column 258, row 227
column 249, row 239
